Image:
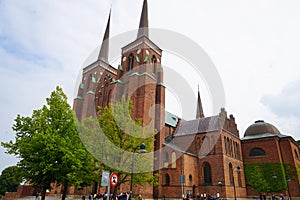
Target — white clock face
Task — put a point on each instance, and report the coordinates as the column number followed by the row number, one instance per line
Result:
column 158, row 60
column 147, row 52
column 124, row 58
column 138, row 51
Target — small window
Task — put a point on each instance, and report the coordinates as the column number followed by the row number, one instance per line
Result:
column 190, row 179
column 167, row 183
column 257, row 152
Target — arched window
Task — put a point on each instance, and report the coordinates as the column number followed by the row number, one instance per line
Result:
column 190, row 179
column 235, row 150
column 154, row 61
column 296, row 154
column 130, row 62
column 257, row 152
column 207, row 174
column 167, row 183
column 166, row 159
column 173, row 160
column 231, row 178
column 228, row 146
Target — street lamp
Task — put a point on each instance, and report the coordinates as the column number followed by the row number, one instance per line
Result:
column 220, row 183
column 234, row 190
column 288, row 188
column 141, row 150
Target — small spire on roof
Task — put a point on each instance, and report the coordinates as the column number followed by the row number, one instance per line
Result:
column 143, row 28
column 103, row 54
column 199, row 113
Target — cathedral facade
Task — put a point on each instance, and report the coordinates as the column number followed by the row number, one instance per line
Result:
column 204, row 156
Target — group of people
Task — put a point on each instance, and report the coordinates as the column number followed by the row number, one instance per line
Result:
column 273, row 197
column 204, row 196
column 99, row 196
column 120, row 196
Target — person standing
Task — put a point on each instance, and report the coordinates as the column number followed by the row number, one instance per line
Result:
column 37, row 196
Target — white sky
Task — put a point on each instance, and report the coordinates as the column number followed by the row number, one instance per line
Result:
column 254, row 45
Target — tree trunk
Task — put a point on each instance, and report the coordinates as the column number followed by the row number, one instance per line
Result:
column 43, row 195
column 65, row 190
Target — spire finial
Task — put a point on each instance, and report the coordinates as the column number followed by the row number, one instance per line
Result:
column 143, row 28
column 103, row 54
column 200, row 113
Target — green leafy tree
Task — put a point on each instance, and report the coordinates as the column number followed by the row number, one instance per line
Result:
column 49, row 147
column 10, row 180
column 116, row 144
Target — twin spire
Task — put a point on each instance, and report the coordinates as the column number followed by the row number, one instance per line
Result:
column 143, row 31
column 143, row 28
column 103, row 54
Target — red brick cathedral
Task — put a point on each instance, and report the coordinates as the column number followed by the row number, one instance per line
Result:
column 208, row 151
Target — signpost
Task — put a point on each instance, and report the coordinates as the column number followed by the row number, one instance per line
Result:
column 114, row 179
column 182, row 181
column 105, row 182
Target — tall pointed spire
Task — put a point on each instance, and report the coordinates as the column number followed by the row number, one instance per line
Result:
column 199, row 113
column 103, row 54
column 143, row 28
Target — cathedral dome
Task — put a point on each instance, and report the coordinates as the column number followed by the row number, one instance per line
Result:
column 260, row 127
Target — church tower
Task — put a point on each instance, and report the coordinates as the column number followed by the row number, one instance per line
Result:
column 141, row 77
column 84, row 104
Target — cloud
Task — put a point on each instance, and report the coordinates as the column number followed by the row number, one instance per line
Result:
column 286, row 103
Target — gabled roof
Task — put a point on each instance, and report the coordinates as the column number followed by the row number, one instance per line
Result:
column 202, row 125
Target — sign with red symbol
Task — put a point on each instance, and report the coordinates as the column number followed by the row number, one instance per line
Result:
column 114, row 179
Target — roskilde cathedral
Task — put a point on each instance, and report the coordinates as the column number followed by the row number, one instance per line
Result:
column 216, row 157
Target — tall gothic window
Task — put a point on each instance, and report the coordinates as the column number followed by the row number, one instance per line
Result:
column 130, row 62
column 231, row 178
column 154, row 61
column 207, row 174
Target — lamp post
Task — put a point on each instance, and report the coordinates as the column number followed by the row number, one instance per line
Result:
column 142, row 150
column 234, row 190
column 220, row 183
column 288, row 188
